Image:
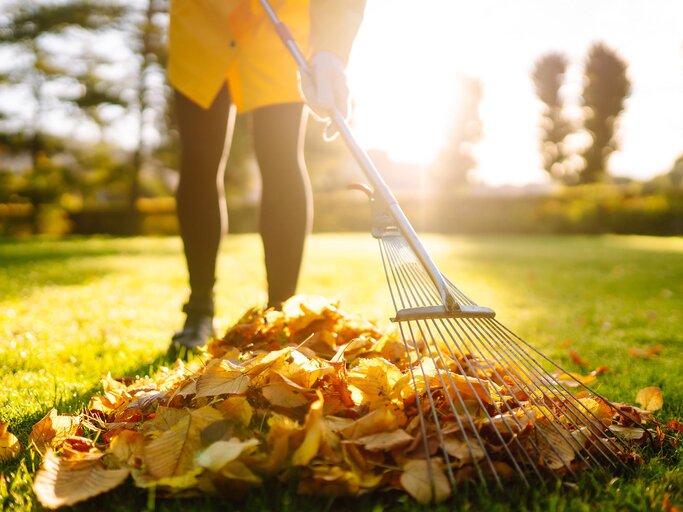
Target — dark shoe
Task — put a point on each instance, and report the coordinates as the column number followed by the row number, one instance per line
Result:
column 197, row 332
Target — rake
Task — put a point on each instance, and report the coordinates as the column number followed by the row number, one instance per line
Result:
column 483, row 395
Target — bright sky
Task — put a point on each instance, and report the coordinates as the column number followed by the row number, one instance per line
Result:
column 408, row 54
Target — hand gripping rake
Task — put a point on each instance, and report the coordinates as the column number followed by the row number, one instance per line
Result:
column 483, row 395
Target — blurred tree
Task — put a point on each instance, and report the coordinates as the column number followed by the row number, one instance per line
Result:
column 676, row 173
column 152, row 99
column 548, row 76
column 456, row 159
column 27, row 32
column 606, row 88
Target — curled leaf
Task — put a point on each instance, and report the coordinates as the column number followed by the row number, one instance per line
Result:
column 650, row 398
column 60, row 482
column 426, row 481
column 9, row 444
column 52, row 429
column 220, row 453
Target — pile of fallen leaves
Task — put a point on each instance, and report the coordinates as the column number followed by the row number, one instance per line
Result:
column 308, row 392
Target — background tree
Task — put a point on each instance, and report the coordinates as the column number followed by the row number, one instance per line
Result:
column 456, row 159
column 606, row 87
column 548, row 76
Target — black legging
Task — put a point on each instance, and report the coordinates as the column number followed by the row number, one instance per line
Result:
column 286, row 206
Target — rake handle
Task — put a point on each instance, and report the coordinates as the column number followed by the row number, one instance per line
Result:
column 368, row 167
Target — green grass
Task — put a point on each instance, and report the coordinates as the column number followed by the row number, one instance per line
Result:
column 73, row 310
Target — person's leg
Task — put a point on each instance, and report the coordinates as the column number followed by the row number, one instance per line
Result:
column 205, row 137
column 286, row 205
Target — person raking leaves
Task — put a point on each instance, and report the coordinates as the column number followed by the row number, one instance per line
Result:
column 225, row 58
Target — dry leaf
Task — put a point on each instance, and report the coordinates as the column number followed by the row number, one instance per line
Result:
column 645, row 353
column 220, row 378
column 239, row 418
column 650, row 398
column 281, row 394
column 236, row 408
column 52, row 429
column 172, row 453
column 220, row 453
column 385, row 441
column 61, row 482
column 128, row 447
column 426, row 481
column 576, row 358
column 9, row 444
column 315, row 429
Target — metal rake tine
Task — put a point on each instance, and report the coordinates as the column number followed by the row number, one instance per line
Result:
column 474, row 393
column 569, row 399
column 418, row 404
column 509, row 409
column 476, row 433
column 427, row 389
column 566, row 436
column 500, row 327
column 555, row 421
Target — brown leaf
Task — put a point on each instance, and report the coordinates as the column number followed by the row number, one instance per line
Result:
column 631, row 433
column 385, row 441
column 236, row 408
column 650, row 398
column 576, row 358
column 426, row 481
column 61, row 483
column 465, row 452
column 675, row 425
column 667, row 506
column 172, row 453
column 9, row 444
column 556, row 444
column 52, row 429
column 220, row 378
column 128, row 447
column 281, row 394
column 645, row 353
column 220, row 453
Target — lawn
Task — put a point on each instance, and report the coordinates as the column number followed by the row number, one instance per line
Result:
column 72, row 310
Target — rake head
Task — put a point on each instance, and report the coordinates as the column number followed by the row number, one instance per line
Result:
column 491, row 406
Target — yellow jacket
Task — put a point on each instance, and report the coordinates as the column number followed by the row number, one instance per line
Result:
column 211, row 41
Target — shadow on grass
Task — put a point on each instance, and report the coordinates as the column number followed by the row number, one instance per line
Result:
column 26, row 264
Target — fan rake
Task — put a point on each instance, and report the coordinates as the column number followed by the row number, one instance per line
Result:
column 484, row 397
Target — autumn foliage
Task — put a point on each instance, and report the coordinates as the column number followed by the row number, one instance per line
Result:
column 311, row 392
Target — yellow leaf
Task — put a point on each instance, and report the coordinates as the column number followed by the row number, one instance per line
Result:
column 221, row 379
column 281, row 429
column 303, row 370
column 383, row 419
column 650, row 398
column 60, row 482
column 114, row 396
column 385, row 441
column 375, row 379
column 237, row 470
column 128, row 447
column 464, row 452
column 236, row 408
column 557, row 445
column 173, row 452
column 426, row 481
column 164, row 419
column 52, row 429
column 9, row 444
column 218, row 454
column 281, row 394
column 315, row 428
